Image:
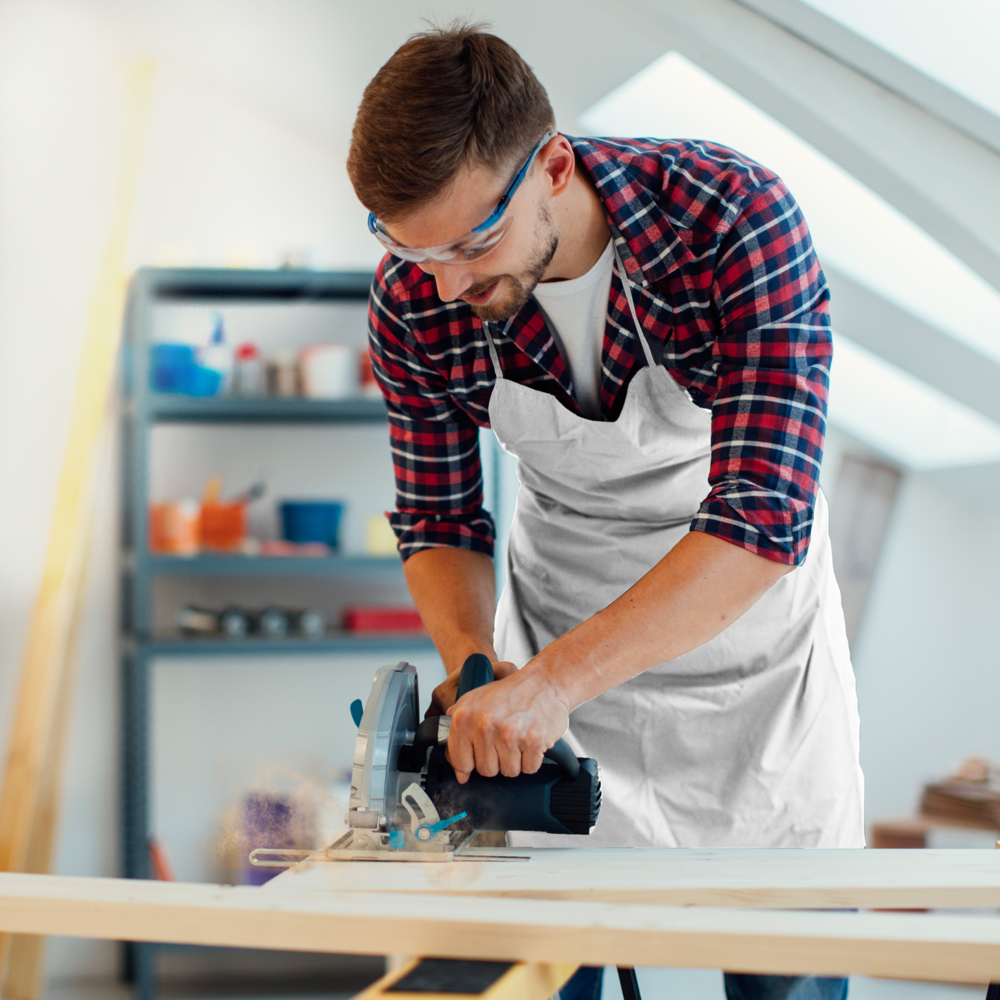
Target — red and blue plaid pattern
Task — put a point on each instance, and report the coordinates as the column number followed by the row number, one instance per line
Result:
column 732, row 299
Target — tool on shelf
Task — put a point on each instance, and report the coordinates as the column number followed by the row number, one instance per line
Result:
column 235, row 622
column 406, row 803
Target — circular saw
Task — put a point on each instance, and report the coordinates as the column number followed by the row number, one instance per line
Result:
column 406, row 803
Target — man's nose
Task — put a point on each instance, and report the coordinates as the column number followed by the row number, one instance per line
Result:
column 451, row 281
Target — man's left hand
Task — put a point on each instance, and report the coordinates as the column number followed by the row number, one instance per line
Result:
column 505, row 727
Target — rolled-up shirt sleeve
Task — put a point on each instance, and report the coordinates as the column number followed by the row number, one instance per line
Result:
column 772, row 359
column 434, row 442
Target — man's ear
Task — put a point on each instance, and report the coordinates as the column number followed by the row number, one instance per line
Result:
column 558, row 161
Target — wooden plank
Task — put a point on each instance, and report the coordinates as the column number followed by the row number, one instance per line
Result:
column 27, row 952
column 895, row 945
column 789, row 878
column 522, row 981
column 49, row 630
column 23, row 980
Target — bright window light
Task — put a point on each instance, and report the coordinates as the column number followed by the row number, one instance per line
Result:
column 854, row 229
column 904, row 418
column 954, row 42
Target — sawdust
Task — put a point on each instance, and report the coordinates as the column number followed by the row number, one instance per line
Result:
column 286, row 805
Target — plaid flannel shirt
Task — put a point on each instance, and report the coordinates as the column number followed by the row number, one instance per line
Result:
column 732, row 300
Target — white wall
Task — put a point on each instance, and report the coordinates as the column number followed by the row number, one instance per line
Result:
column 927, row 652
column 226, row 179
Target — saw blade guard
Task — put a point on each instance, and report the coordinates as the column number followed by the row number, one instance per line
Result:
column 390, row 719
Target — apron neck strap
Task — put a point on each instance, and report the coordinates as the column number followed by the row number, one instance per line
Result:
column 498, row 371
column 631, row 305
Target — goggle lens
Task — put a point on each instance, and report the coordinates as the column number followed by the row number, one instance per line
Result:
column 468, row 248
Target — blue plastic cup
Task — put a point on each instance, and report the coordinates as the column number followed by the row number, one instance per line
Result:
column 311, row 521
column 170, row 368
column 175, row 368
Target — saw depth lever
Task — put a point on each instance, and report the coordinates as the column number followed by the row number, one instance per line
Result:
column 425, row 825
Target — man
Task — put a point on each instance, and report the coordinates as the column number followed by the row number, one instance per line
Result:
column 645, row 325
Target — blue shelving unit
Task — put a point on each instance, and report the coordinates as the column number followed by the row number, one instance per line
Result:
column 345, row 642
column 237, row 565
column 184, row 409
column 142, row 410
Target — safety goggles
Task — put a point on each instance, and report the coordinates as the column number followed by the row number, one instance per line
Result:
column 484, row 238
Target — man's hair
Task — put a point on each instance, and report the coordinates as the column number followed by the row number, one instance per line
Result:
column 447, row 97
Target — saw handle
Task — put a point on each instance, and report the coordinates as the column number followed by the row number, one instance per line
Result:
column 477, row 671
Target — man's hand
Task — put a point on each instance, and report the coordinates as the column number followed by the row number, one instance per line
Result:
column 446, row 692
column 505, row 727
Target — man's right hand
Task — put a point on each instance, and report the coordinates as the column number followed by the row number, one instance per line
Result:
column 445, row 694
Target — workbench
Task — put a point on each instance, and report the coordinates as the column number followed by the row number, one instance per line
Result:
column 667, row 908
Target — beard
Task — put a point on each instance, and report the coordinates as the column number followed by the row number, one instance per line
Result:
column 515, row 289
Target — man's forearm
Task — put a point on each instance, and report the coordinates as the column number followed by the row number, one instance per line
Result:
column 455, row 593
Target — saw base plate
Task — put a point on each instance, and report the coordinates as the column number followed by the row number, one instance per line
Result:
column 460, row 849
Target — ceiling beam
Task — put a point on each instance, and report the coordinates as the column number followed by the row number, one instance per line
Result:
column 904, row 80
column 913, row 345
column 942, row 178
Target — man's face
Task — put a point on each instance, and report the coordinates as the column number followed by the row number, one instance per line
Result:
column 497, row 284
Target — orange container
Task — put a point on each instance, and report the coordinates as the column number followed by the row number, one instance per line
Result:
column 223, row 526
column 174, row 528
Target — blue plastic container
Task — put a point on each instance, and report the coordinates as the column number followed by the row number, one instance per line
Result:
column 174, row 368
column 170, row 367
column 311, row 521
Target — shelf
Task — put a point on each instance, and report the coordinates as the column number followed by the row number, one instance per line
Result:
column 209, row 284
column 344, row 642
column 239, row 565
column 167, row 408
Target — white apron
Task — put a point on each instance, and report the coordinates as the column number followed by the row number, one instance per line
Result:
column 750, row 740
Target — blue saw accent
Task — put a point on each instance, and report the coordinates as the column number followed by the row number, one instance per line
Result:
column 441, row 824
column 357, row 711
column 396, row 841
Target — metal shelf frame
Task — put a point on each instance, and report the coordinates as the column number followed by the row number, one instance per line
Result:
column 238, row 565
column 142, row 409
column 185, row 409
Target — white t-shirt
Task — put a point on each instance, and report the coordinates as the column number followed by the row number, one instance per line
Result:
column 577, row 311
